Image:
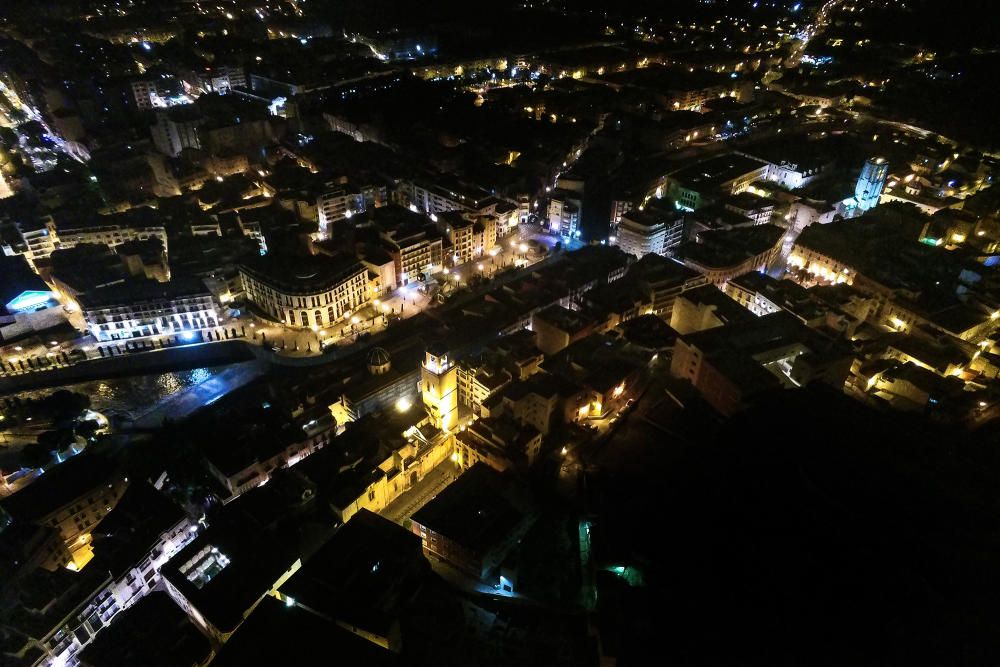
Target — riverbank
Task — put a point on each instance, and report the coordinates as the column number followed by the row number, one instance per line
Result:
column 140, row 363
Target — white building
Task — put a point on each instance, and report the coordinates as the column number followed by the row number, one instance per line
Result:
column 118, row 590
column 311, row 292
column 338, row 203
column 451, row 197
column 619, row 207
column 176, row 130
column 564, row 214
column 182, row 308
column 39, row 238
column 654, row 230
column 145, row 94
column 67, row 235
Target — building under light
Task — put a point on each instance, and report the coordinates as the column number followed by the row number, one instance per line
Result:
column 141, row 309
column 870, row 184
column 311, row 291
column 439, row 387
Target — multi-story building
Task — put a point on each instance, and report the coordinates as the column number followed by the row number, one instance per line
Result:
column 71, row 234
column 141, row 533
column 413, row 242
column 461, row 233
column 557, row 327
column 158, row 91
column 71, row 499
column 619, row 207
column 38, row 237
column 791, row 166
column 731, row 364
column 423, row 449
column 651, row 229
column 309, row 292
column 725, row 254
column 222, row 79
column 499, row 443
column 139, row 309
column 474, row 523
column 448, row 196
column 145, row 93
column 757, row 208
column 661, row 280
column 339, row 202
column 478, row 380
column 177, row 129
column 806, row 256
column 470, row 236
column 701, row 184
column 564, row 214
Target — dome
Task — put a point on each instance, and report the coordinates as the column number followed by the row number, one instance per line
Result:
column 378, row 361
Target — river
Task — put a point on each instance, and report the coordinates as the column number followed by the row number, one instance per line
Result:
column 175, row 394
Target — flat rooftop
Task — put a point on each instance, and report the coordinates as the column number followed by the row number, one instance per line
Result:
column 472, row 511
column 716, row 171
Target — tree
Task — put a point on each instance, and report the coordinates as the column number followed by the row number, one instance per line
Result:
column 63, row 405
column 87, row 429
column 35, row 455
column 57, row 440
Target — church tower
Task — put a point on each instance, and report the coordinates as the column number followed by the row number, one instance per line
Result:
column 439, row 387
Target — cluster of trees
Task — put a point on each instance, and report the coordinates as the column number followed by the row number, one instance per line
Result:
column 62, row 412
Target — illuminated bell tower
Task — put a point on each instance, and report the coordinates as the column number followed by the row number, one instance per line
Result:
column 871, row 182
column 439, row 387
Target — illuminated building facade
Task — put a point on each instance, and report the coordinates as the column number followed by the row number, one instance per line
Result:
column 439, row 387
column 564, row 215
column 310, row 293
column 111, row 235
column 650, row 231
column 870, row 184
column 338, row 203
column 128, row 311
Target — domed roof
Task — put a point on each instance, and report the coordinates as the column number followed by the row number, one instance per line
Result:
column 378, row 357
column 378, row 361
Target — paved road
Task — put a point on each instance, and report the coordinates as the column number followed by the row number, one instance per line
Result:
column 811, row 31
